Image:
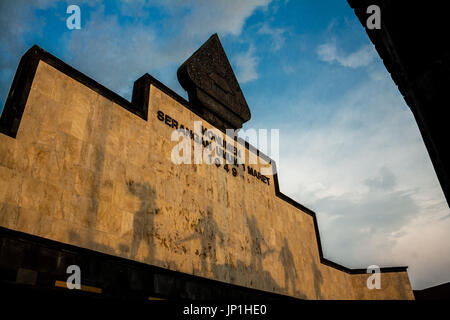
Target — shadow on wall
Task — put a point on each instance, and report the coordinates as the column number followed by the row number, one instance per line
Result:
column 143, row 220
column 143, row 224
column 318, row 279
column 287, row 260
column 211, row 238
column 256, row 240
column 208, row 233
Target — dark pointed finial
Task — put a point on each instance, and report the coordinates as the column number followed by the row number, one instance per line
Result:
column 212, row 86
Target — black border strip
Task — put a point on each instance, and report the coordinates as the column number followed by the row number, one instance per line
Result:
column 21, row 86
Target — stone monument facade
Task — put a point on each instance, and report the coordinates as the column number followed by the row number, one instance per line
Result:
column 87, row 177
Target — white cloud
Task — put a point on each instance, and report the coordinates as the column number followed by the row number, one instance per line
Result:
column 134, row 8
column 367, row 175
column 363, row 57
column 425, row 241
column 288, row 68
column 18, row 20
column 329, row 52
column 276, row 34
column 118, row 55
column 120, row 52
column 246, row 64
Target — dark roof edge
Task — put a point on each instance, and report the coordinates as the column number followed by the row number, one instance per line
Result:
column 21, row 86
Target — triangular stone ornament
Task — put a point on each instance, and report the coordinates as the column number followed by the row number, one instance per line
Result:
column 212, row 86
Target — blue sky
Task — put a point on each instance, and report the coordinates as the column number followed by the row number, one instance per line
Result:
column 349, row 146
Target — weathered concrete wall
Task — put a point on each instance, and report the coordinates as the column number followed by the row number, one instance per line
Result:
column 85, row 171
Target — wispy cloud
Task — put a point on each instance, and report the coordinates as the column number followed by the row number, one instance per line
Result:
column 367, row 175
column 119, row 51
column 329, row 52
column 118, row 54
column 223, row 17
column 20, row 23
column 246, row 64
column 385, row 180
column 276, row 35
